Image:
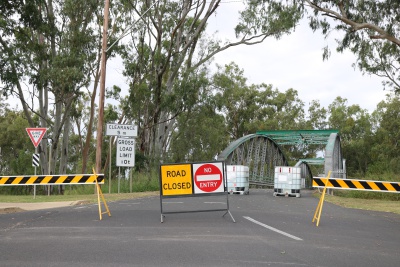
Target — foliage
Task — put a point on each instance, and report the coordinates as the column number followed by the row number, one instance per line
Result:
column 183, row 111
column 168, row 49
column 385, row 150
column 16, row 147
column 52, row 45
column 369, row 29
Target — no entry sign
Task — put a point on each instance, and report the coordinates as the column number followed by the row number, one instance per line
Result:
column 208, row 178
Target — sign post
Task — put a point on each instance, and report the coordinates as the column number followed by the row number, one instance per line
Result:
column 125, row 147
column 36, row 135
column 35, row 163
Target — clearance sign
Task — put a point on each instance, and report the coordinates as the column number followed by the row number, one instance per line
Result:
column 192, row 178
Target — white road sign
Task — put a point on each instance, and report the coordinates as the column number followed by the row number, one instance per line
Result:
column 125, row 152
column 208, row 177
column 121, row 130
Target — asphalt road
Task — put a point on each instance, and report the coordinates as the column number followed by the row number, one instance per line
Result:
column 269, row 231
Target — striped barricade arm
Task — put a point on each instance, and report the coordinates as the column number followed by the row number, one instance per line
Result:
column 52, row 179
column 355, row 184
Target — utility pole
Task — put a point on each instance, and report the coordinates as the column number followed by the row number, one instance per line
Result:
column 102, row 88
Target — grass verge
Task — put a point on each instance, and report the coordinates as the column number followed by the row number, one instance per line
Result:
column 88, row 198
column 363, row 204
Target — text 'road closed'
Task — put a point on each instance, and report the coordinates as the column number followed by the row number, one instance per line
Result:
column 176, row 179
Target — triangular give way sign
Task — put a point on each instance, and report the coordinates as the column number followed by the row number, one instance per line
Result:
column 36, row 135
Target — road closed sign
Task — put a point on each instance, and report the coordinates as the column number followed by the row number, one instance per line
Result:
column 176, row 179
column 208, row 178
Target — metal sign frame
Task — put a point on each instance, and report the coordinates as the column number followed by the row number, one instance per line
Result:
column 187, row 192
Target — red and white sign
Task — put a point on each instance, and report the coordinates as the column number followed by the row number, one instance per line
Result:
column 208, row 177
column 36, row 135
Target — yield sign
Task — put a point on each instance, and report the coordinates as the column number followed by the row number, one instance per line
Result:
column 36, row 135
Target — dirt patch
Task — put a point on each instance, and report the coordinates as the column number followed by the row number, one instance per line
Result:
column 80, row 203
column 10, row 210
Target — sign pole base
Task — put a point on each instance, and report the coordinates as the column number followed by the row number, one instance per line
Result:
column 227, row 211
column 230, row 214
column 227, row 208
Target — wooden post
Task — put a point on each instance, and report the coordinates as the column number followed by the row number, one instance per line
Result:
column 321, row 202
column 102, row 88
column 100, row 194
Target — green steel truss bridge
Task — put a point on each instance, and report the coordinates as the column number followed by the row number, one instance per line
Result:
column 262, row 152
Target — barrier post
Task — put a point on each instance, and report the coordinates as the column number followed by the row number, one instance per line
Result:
column 321, row 202
column 100, row 193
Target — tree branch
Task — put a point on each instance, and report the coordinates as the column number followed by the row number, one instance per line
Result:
column 356, row 26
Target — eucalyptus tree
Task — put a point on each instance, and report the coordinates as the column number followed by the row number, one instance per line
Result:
column 14, row 143
column 200, row 132
column 370, row 29
column 355, row 127
column 251, row 107
column 386, row 145
column 352, row 121
column 248, row 108
column 52, row 46
column 282, row 110
column 317, row 116
column 236, row 100
column 169, row 43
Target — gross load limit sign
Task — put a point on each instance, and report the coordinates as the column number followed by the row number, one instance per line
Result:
column 125, row 152
column 208, row 178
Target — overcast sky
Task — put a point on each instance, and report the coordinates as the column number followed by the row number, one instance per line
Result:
column 294, row 61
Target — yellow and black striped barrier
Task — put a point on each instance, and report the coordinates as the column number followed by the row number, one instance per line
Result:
column 52, row 179
column 354, row 184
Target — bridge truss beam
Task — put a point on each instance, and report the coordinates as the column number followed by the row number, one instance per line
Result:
column 260, row 153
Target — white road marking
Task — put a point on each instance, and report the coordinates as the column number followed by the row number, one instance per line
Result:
column 273, row 229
